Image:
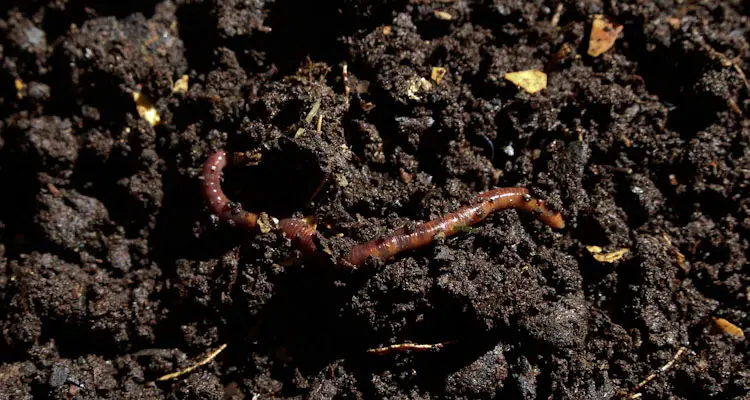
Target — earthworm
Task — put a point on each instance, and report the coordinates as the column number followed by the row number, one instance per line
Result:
column 218, row 203
column 308, row 240
column 486, row 203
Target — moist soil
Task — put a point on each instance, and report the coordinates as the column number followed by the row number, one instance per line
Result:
column 114, row 274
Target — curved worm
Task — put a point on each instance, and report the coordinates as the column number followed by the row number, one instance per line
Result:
column 218, row 203
column 488, row 202
column 307, row 239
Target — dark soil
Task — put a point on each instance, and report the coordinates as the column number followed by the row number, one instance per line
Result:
column 113, row 274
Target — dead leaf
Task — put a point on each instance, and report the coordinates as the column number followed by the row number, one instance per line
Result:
column 603, row 35
column 181, row 86
column 531, row 80
column 146, row 109
column 437, row 74
column 610, row 257
column 728, row 327
column 443, row 15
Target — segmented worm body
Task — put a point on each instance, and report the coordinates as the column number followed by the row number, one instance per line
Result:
column 486, row 203
column 307, row 239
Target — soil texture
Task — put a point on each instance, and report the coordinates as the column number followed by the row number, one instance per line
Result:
column 368, row 116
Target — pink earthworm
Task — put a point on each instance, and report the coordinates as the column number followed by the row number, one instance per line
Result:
column 305, row 237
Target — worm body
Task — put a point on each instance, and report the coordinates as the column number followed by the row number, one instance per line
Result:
column 305, row 237
column 218, row 203
column 487, row 203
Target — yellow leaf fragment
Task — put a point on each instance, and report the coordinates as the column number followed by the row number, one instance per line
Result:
column 531, row 80
column 181, row 85
column 437, row 74
column 19, row 87
column 146, row 109
column 594, row 249
column 603, row 35
column 609, row 257
column 728, row 327
column 443, row 15
column 387, row 30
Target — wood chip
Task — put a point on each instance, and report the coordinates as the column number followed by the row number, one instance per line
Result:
column 610, row 257
column 531, row 80
column 603, row 35
column 181, row 86
column 437, row 74
column 728, row 327
column 146, row 109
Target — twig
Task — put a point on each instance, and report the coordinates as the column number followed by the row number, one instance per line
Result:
column 632, row 394
column 345, row 78
column 202, row 362
column 405, row 347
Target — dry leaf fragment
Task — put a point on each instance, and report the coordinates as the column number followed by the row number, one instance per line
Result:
column 674, row 22
column 728, row 327
column 181, row 85
column 610, row 257
column 531, row 80
column 437, row 74
column 603, row 35
column 146, row 109
column 19, row 87
column 443, row 15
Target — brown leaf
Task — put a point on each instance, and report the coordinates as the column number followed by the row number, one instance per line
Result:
column 728, row 327
column 603, row 35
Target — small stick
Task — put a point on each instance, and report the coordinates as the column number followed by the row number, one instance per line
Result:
column 406, row 347
column 345, row 78
column 633, row 395
column 202, row 362
column 556, row 16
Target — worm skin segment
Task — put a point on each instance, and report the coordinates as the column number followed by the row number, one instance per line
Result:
column 218, row 203
column 487, row 203
column 305, row 237
column 520, row 199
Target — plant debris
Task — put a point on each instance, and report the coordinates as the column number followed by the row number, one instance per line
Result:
column 729, row 328
column 604, row 33
column 437, row 74
column 146, row 109
column 532, row 81
column 203, row 361
column 181, row 85
column 611, row 257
